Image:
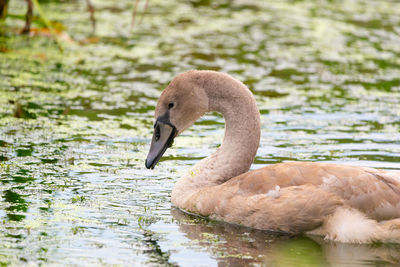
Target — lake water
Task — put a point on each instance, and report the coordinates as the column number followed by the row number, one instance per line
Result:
column 75, row 127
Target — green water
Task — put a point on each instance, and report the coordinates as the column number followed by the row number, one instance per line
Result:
column 74, row 189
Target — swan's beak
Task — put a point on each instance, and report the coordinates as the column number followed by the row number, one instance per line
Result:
column 163, row 137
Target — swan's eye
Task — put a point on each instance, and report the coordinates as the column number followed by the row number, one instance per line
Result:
column 157, row 133
column 171, row 105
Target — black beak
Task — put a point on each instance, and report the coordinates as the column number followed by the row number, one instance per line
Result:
column 163, row 137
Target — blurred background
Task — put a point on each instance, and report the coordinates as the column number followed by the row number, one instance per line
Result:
column 78, row 84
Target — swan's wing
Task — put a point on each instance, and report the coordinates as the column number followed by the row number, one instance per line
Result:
column 380, row 196
column 375, row 192
column 291, row 209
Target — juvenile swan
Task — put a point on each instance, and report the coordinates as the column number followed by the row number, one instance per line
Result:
column 343, row 203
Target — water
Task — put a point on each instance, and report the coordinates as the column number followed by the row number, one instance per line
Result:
column 73, row 183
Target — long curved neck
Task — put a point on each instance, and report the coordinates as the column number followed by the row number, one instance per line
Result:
column 242, row 127
column 242, row 134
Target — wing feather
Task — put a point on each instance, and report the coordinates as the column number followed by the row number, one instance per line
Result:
column 372, row 191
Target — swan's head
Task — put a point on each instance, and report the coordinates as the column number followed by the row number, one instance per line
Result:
column 179, row 106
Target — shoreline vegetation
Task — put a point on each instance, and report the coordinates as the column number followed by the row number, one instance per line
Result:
column 34, row 5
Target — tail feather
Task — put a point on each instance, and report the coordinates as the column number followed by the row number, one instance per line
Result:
column 348, row 225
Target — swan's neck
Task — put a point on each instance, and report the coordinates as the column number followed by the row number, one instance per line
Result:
column 242, row 136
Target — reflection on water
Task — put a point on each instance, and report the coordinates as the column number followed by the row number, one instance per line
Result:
column 75, row 127
column 232, row 245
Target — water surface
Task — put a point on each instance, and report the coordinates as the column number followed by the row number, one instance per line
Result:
column 75, row 127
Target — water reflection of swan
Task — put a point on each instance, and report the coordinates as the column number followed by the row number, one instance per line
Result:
column 342, row 203
column 233, row 245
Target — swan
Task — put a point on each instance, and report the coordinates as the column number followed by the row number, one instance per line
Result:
column 342, row 203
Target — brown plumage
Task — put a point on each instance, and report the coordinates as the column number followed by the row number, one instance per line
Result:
column 341, row 202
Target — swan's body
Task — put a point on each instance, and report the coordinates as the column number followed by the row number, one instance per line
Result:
column 343, row 203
